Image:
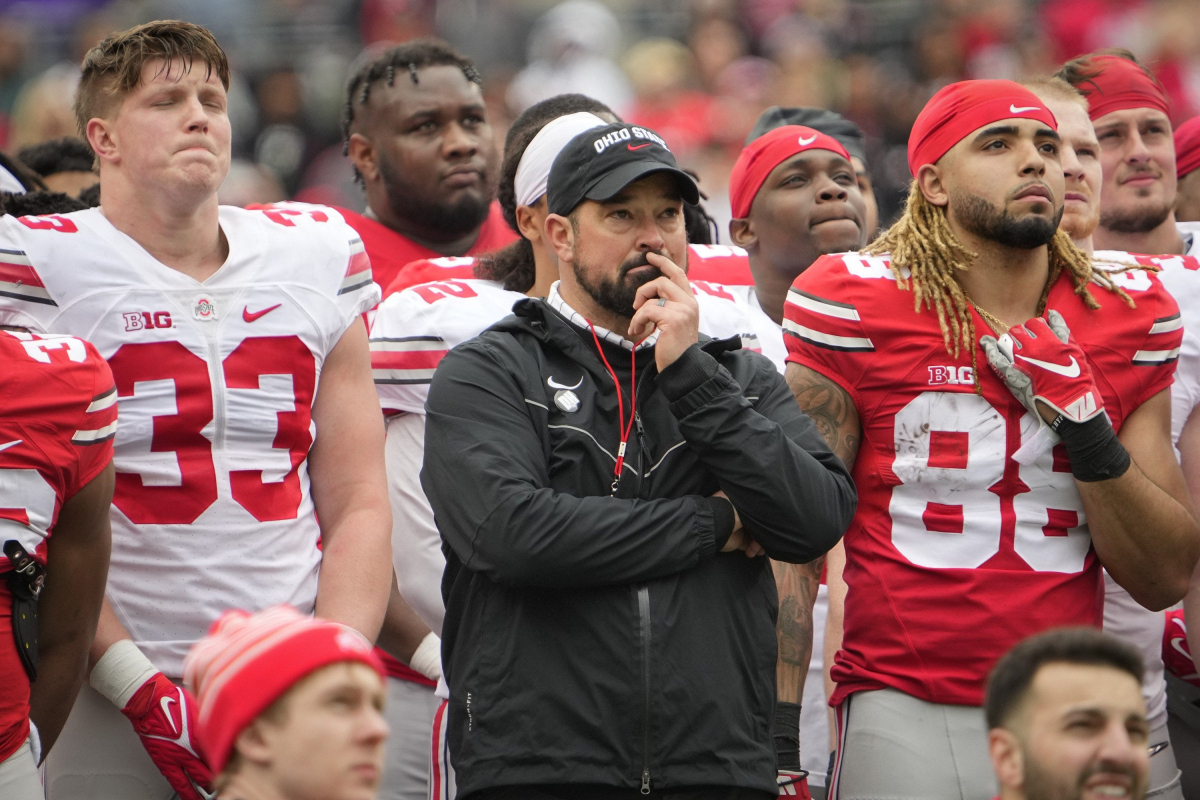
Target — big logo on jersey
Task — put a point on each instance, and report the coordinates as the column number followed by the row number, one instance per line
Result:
column 171, row 378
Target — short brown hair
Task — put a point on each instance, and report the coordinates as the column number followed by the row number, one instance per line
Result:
column 113, row 68
column 1013, row 674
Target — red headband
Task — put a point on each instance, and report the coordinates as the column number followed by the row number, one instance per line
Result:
column 1116, row 84
column 956, row 110
column 248, row 661
column 765, row 154
column 1187, row 147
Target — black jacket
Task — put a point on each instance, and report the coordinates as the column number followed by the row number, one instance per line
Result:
column 598, row 639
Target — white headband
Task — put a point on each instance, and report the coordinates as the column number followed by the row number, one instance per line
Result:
column 534, row 169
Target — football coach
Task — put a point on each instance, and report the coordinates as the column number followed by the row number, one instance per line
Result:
column 605, row 481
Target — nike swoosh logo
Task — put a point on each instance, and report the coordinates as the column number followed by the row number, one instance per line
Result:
column 183, row 740
column 251, row 316
column 553, row 384
column 1067, row 371
column 166, row 707
column 16, row 442
column 806, row 142
column 639, row 147
column 1017, row 110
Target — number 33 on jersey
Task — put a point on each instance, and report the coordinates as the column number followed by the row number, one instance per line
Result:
column 215, row 385
column 958, row 551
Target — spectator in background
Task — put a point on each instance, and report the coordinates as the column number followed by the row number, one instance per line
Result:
column 1066, row 718
column 416, row 129
column 571, row 49
column 291, row 707
column 716, row 41
column 42, row 110
column 659, row 70
column 1187, row 171
column 65, row 165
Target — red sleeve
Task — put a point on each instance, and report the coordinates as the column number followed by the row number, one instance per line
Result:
column 822, row 326
column 1157, row 355
column 96, row 426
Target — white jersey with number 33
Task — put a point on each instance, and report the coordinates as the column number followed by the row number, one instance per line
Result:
column 215, row 382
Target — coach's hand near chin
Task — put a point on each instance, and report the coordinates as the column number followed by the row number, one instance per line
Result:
column 677, row 320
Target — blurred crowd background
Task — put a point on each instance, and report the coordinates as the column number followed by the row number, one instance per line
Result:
column 697, row 71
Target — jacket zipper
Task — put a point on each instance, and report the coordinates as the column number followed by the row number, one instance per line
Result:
column 643, row 596
column 644, row 623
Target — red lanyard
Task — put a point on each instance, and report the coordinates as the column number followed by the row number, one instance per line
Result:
column 621, row 426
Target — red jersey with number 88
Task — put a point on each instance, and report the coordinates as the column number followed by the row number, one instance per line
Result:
column 215, row 381
column 56, row 432
column 958, row 549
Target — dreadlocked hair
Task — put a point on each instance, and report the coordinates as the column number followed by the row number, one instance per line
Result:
column 408, row 58
column 922, row 244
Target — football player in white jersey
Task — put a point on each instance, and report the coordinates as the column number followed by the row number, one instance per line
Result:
column 235, row 338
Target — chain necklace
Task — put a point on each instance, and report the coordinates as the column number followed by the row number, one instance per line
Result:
column 998, row 327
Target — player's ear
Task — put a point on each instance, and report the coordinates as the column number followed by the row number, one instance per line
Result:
column 1005, row 752
column 527, row 222
column 930, row 182
column 253, row 744
column 363, row 155
column 561, row 236
column 742, row 233
column 100, row 136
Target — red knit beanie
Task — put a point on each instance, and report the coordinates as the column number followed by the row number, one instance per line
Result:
column 248, row 661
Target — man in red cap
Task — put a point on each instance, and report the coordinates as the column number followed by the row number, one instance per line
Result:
column 1187, row 171
column 291, row 707
column 1129, row 110
column 991, row 486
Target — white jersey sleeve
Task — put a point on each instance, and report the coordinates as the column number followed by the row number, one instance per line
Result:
column 1181, row 276
column 355, row 292
column 416, row 543
column 722, row 316
column 28, row 299
column 414, row 329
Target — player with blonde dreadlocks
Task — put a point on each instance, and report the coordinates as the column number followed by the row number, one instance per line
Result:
column 924, row 248
column 992, row 488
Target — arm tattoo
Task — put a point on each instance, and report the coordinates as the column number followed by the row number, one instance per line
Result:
column 797, row 584
column 830, row 408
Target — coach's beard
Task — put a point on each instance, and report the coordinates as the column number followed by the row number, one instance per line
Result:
column 982, row 218
column 616, row 296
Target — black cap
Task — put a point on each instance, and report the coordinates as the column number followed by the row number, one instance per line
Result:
column 819, row 119
column 599, row 163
